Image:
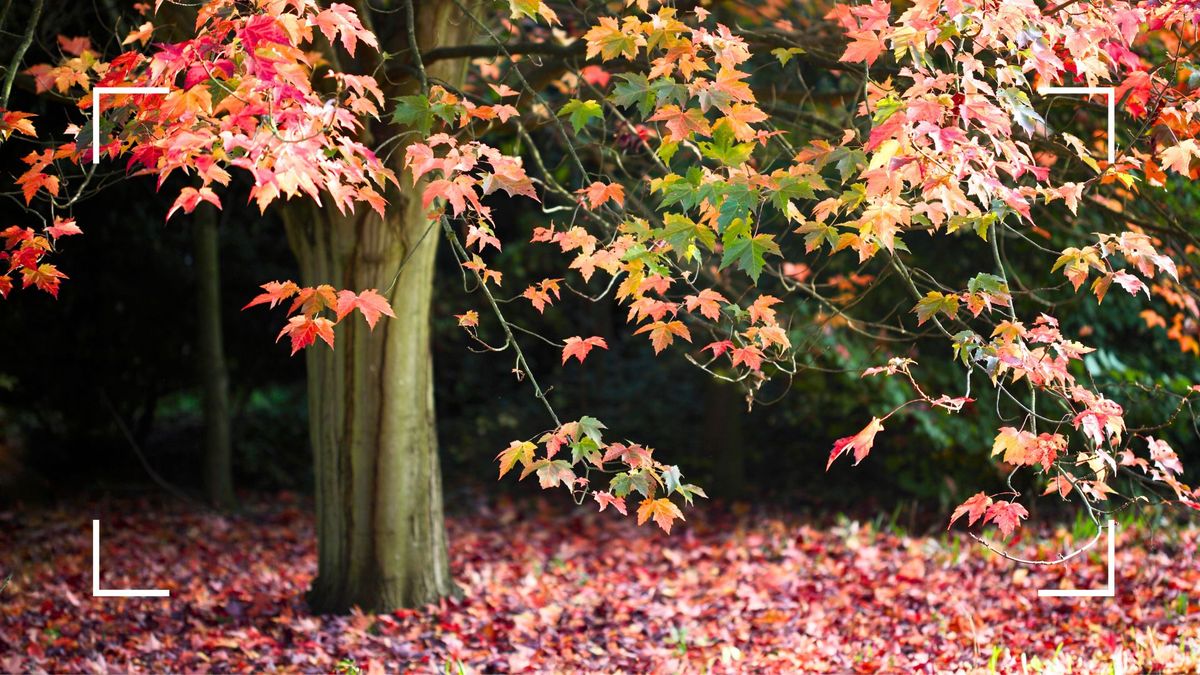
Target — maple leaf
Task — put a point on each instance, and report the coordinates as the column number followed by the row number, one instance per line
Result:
column 341, row 18
column 63, row 227
column 741, row 116
column 469, row 319
column 973, row 508
column 509, row 175
column 458, row 192
column 865, row 46
column 745, row 250
column 370, row 303
column 477, row 266
column 581, row 113
column 552, row 473
column 503, row 90
column 141, row 34
column 533, row 9
column 1061, row 485
column 933, row 303
column 276, row 292
column 44, row 277
column 1178, row 158
column 1130, row 283
column 760, row 310
column 662, row 333
column 861, row 443
column 598, row 193
column 750, row 356
column 680, row 123
column 662, row 510
column 718, row 348
column 75, row 46
column 189, row 198
column 312, row 300
column 580, row 347
column 13, row 121
column 709, row 302
column 32, row 181
column 1014, row 444
column 304, row 331
column 607, row 40
column 517, row 451
column 1006, row 516
column 605, row 499
column 483, row 236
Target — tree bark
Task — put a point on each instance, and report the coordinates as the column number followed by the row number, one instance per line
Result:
column 213, row 374
column 380, row 527
column 724, row 405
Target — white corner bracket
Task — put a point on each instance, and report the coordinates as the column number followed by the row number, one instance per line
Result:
column 1111, row 93
column 1107, row 592
column 104, row 593
column 100, row 91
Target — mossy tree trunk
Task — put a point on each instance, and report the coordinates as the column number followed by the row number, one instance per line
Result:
column 380, row 528
column 210, row 363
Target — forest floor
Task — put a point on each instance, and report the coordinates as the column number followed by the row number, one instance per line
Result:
column 586, row 592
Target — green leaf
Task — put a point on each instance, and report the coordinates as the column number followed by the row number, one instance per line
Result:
column 590, row 427
column 681, row 233
column 723, row 148
column 688, row 491
column 736, row 201
column 817, row 233
column 785, row 54
column 581, row 112
column 415, row 111
column 987, row 283
column 671, row 478
column 886, row 107
column 796, row 187
column 585, row 448
column 625, row 482
column 667, row 90
column 848, row 162
column 747, row 251
column 634, row 90
column 667, row 150
column 934, row 303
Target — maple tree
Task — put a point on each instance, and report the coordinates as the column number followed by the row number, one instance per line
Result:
column 738, row 225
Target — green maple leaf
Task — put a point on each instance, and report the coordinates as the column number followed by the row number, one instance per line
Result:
column 590, row 427
column 581, row 113
column 415, row 111
column 934, row 303
column 746, row 251
column 634, row 90
column 736, row 203
column 680, row 232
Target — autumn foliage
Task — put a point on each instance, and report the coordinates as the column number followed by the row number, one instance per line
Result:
column 732, row 220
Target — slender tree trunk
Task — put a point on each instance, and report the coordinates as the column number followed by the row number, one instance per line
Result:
column 380, row 527
column 214, row 376
column 724, row 406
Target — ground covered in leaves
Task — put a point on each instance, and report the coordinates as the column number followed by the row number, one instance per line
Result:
column 584, row 592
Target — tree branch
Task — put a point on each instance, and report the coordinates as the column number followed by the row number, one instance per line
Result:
column 577, row 48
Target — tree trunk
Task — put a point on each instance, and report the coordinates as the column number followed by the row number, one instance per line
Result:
column 214, row 377
column 724, row 405
column 380, row 528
